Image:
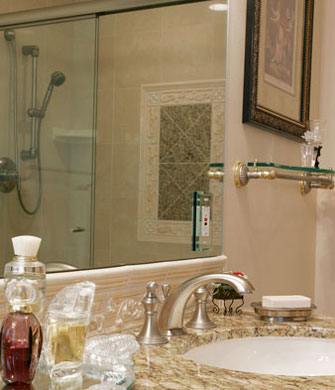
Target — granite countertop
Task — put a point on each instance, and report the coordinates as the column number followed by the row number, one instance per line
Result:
column 165, row 367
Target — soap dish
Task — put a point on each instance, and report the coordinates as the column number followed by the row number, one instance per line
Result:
column 282, row 314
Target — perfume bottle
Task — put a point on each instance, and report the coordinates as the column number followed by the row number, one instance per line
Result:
column 67, row 323
column 25, row 265
column 21, row 337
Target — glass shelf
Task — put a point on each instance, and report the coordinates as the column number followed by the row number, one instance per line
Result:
column 216, row 165
column 308, row 178
column 290, row 167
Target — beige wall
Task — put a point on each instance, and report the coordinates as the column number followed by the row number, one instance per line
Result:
column 269, row 228
column 325, row 248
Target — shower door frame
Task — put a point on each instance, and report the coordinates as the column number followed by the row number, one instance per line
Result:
column 85, row 9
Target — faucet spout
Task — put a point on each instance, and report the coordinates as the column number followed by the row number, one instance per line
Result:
column 172, row 313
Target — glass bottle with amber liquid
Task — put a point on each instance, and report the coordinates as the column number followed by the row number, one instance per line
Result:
column 21, row 337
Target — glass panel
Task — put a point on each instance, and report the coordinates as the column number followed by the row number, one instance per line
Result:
column 63, row 119
column 161, row 97
column 202, row 227
column 289, row 167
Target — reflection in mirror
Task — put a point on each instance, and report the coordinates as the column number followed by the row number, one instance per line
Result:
column 119, row 192
column 48, row 74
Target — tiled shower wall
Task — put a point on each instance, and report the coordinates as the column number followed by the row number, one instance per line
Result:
column 66, row 165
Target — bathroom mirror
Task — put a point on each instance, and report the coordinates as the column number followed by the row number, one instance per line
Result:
column 110, row 123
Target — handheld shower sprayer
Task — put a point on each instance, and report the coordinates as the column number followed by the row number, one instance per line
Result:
column 56, row 80
column 11, row 175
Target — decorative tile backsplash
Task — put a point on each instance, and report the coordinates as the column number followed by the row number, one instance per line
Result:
column 120, row 290
column 184, row 155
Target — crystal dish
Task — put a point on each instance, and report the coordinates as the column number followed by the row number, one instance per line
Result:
column 108, row 358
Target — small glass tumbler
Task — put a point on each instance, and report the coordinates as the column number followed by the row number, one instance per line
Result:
column 307, row 153
column 67, row 323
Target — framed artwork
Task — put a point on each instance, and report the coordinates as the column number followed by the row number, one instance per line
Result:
column 278, row 65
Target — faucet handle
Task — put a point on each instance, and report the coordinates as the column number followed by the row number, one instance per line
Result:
column 165, row 290
column 151, row 287
column 150, row 333
column 200, row 319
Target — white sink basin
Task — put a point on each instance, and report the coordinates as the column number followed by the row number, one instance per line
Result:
column 297, row 356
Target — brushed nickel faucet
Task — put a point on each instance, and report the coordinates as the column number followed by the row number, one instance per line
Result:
column 172, row 313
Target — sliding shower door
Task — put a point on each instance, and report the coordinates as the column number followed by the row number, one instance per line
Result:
column 47, row 114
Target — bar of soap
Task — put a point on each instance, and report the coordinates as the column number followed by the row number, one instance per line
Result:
column 286, row 301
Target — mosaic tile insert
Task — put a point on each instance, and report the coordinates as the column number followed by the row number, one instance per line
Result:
column 184, row 155
column 192, row 113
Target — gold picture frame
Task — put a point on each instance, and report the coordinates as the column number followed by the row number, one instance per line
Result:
column 278, row 58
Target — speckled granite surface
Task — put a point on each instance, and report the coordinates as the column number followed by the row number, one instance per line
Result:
column 164, row 367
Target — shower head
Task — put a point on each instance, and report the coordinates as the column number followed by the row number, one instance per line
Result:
column 57, row 79
column 9, row 35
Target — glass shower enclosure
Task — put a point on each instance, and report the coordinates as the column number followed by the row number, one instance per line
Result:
column 47, row 135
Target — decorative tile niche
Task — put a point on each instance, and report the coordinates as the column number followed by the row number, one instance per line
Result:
column 184, row 156
column 182, row 131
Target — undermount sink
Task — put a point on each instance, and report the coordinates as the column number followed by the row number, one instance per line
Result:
column 293, row 356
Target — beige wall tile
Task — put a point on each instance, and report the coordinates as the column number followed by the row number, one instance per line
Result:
column 138, row 21
column 126, row 127
column 137, row 58
column 190, row 58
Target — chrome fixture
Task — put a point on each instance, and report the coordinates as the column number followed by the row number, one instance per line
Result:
column 9, row 35
column 77, row 229
column 7, row 165
column 200, row 319
column 172, row 313
column 34, row 52
column 36, row 115
column 309, row 178
column 150, row 333
column 8, row 174
column 56, row 80
column 216, row 171
column 216, row 174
